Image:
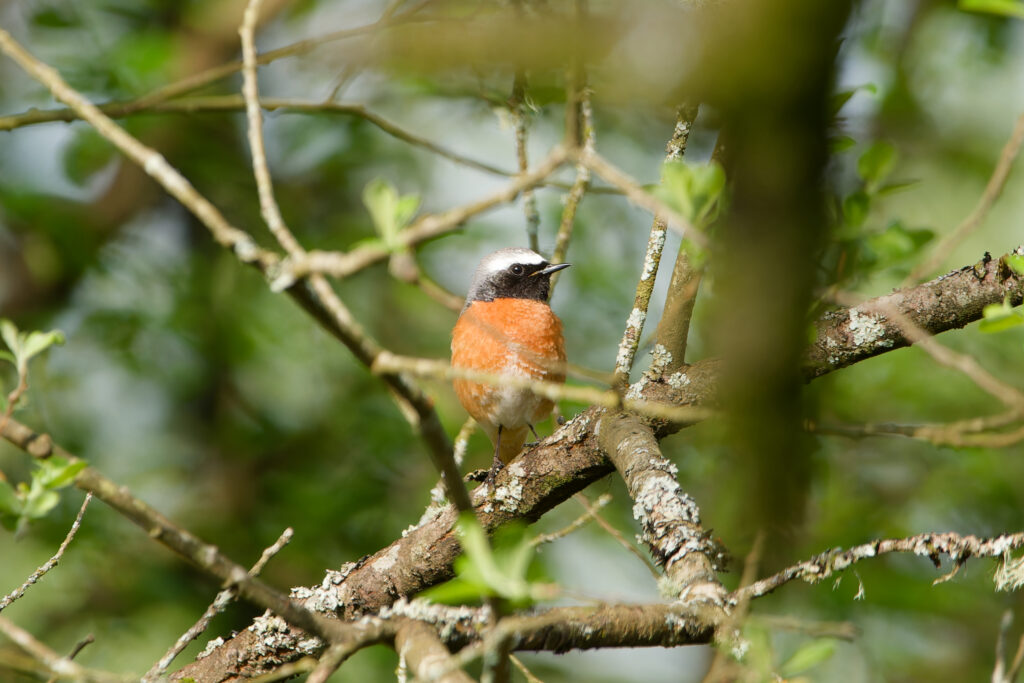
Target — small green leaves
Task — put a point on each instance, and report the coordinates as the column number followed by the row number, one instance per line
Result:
column 499, row 569
column 1001, row 316
column 694, row 190
column 25, row 345
column 1007, row 8
column 390, row 212
column 876, row 163
column 34, row 500
column 1015, row 262
column 808, row 656
column 897, row 243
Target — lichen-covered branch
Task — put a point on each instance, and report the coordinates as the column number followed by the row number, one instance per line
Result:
column 933, row 546
column 669, row 519
column 849, row 335
column 219, row 604
column 207, row 557
column 52, row 562
column 426, row 656
column 571, row 459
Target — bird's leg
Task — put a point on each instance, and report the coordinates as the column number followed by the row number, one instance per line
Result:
column 497, row 464
column 531, row 444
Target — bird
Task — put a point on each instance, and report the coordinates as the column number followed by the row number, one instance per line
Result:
column 506, row 327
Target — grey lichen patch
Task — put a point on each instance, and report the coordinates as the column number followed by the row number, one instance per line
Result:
column 385, row 562
column 510, row 494
column 868, row 329
column 210, row 647
column 1010, row 574
column 678, row 380
column 275, row 641
column 657, row 242
column 447, row 619
column 325, row 598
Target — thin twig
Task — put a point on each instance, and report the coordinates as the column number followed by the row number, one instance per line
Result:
column 527, row 674
column 62, row 667
column 974, row 219
column 591, row 513
column 250, row 91
column 932, row 545
column 617, row 535
column 325, row 306
column 579, row 186
column 389, row 363
column 428, row 227
column 50, row 563
column 517, row 106
column 219, row 604
column 636, row 194
column 286, row 671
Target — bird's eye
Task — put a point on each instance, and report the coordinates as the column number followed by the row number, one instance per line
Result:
column 517, row 269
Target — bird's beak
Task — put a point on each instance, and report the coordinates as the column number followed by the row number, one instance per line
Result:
column 552, row 269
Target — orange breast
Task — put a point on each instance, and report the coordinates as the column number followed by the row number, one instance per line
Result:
column 520, row 337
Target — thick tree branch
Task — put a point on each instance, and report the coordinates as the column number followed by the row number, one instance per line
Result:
column 420, row 647
column 849, row 335
column 669, row 519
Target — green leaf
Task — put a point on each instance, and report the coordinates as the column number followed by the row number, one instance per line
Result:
column 876, row 163
column 499, row 568
column 693, row 190
column 999, row 317
column 10, row 335
column 808, row 656
column 390, row 212
column 10, row 503
column 897, row 243
column 1008, row 8
column 37, row 342
column 9, row 357
column 839, row 100
column 855, row 209
column 57, row 472
column 39, row 503
column 841, row 143
column 898, row 186
column 1016, row 263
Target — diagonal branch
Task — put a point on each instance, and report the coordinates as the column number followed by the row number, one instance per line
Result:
column 52, row 562
column 319, row 302
column 933, row 546
column 974, row 219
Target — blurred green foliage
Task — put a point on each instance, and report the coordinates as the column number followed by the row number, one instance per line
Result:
column 217, row 401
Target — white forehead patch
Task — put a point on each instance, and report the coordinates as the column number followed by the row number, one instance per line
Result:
column 503, row 258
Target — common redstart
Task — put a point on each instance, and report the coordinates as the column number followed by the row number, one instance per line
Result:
column 507, row 328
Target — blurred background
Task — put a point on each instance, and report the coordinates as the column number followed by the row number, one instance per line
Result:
column 225, row 407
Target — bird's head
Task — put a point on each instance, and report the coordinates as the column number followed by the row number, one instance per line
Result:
column 512, row 273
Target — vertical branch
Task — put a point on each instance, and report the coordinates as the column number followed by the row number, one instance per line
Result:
column 673, row 330
column 669, row 519
column 517, row 105
column 652, row 258
column 579, row 185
